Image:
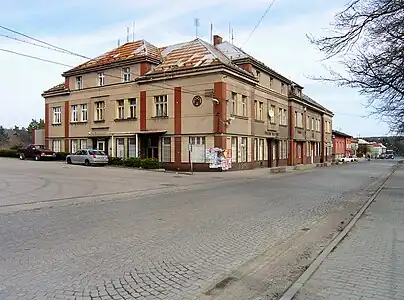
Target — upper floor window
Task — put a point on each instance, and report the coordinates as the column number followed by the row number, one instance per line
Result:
column 233, row 108
column 79, row 82
column 271, row 83
column 84, row 115
column 132, row 108
column 120, row 109
column 244, row 106
column 57, row 115
column 258, row 74
column 161, row 105
column 101, row 79
column 285, row 117
column 308, row 123
column 312, row 124
column 280, row 116
column 75, row 113
column 260, row 111
column 126, row 74
column 271, row 114
column 99, row 110
column 282, row 88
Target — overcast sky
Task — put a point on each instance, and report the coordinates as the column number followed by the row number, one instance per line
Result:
column 93, row 27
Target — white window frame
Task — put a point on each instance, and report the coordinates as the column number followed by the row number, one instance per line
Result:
column 255, row 145
column 99, row 110
column 101, row 79
column 132, row 147
column 285, row 117
column 57, row 114
column 74, row 146
column 198, row 153
column 84, row 113
column 79, row 82
column 244, row 149
column 120, row 109
column 166, row 149
column 75, row 113
column 233, row 108
column 83, row 143
column 280, row 116
column 260, row 111
column 126, row 75
column 57, row 145
column 161, row 106
column 261, row 147
column 234, row 148
column 132, row 108
column 244, row 106
column 120, row 147
column 273, row 119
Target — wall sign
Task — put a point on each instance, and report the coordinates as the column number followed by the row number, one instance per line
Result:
column 197, row 101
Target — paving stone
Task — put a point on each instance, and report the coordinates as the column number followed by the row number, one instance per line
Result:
column 369, row 262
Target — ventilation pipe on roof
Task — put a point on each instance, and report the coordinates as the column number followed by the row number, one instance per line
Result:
column 217, row 39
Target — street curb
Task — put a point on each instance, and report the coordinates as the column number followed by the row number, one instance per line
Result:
column 299, row 283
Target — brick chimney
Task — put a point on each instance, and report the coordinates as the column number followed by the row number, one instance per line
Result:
column 217, row 39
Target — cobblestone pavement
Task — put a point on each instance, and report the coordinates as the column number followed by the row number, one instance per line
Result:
column 369, row 262
column 172, row 245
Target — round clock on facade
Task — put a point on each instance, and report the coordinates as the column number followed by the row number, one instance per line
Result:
column 197, row 101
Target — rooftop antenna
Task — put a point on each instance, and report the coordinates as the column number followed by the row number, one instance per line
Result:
column 127, row 34
column 119, row 42
column 229, row 31
column 133, row 31
column 232, row 36
column 196, row 23
column 211, row 33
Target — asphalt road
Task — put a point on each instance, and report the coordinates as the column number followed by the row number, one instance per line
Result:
column 71, row 232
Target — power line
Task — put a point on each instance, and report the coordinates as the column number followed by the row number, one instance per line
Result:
column 34, row 44
column 35, row 57
column 42, row 42
column 259, row 22
column 63, row 50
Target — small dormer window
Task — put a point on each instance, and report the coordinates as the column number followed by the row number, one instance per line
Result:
column 258, row 74
column 101, row 79
column 126, row 74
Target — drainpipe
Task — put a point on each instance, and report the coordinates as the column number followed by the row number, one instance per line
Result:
column 113, row 146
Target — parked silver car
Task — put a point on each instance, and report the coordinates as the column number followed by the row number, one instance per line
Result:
column 88, row 157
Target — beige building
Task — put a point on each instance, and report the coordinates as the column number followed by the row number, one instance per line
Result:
column 142, row 101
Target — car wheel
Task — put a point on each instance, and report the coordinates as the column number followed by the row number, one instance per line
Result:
column 37, row 157
column 69, row 160
column 87, row 162
column 22, row 156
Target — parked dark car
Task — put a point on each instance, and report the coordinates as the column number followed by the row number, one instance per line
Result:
column 37, row 152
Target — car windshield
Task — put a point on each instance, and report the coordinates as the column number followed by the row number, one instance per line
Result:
column 96, row 152
column 41, row 147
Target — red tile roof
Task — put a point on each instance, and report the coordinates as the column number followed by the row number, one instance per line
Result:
column 57, row 88
column 127, row 51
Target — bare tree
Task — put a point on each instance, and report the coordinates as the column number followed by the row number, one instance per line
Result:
column 368, row 39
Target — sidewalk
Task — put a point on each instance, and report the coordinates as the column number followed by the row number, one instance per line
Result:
column 369, row 262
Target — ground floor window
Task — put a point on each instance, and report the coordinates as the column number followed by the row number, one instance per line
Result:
column 261, row 149
column 299, row 150
column 308, row 149
column 166, row 149
column 83, row 144
column 234, row 149
column 56, row 145
column 198, row 149
column 244, row 149
column 120, row 147
column 256, row 149
column 132, row 147
column 74, row 144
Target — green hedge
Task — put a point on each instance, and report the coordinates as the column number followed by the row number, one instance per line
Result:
column 132, row 162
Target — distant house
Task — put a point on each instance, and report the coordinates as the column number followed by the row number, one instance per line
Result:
column 378, row 149
column 341, row 144
column 354, row 146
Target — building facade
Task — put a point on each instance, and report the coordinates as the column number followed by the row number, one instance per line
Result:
column 342, row 144
column 174, row 103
